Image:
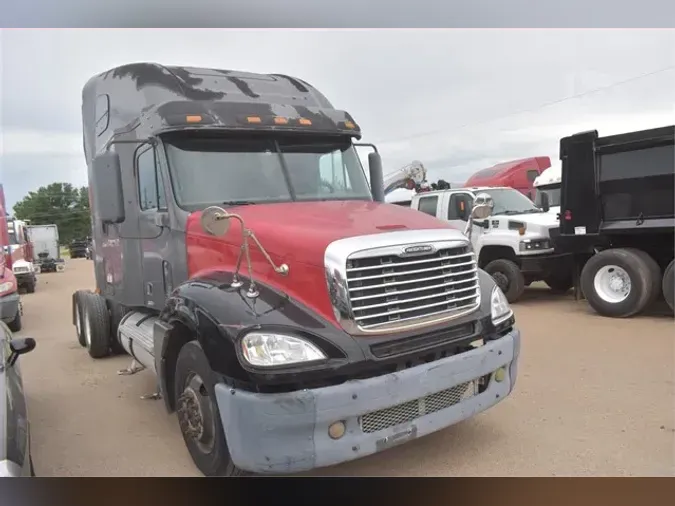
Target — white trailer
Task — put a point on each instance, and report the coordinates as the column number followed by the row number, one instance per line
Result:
column 47, row 252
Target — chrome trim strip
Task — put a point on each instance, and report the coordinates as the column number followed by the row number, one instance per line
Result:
column 402, row 292
column 439, row 259
column 426, row 306
column 418, row 271
column 431, row 278
column 393, row 243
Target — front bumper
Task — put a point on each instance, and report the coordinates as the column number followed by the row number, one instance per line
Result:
column 288, row 432
column 9, row 306
column 545, row 264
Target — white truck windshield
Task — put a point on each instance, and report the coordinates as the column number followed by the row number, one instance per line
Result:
column 510, row 201
column 216, row 171
column 553, row 193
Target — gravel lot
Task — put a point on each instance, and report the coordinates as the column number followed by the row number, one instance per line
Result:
column 595, row 396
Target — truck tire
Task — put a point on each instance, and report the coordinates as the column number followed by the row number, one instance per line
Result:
column 96, row 325
column 508, row 277
column 78, row 318
column 668, row 284
column 560, row 283
column 194, row 387
column 30, row 287
column 654, row 272
column 617, row 282
column 16, row 325
column 117, row 312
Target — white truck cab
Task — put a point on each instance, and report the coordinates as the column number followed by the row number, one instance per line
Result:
column 547, row 190
column 513, row 245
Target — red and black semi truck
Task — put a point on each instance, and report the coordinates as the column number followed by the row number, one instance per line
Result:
column 292, row 318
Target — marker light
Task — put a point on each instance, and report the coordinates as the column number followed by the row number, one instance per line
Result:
column 253, row 119
column 349, row 124
column 337, row 430
column 193, row 118
column 278, row 120
column 304, row 121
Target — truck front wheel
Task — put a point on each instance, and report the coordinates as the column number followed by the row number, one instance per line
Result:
column 198, row 414
column 668, row 284
column 617, row 282
column 508, row 277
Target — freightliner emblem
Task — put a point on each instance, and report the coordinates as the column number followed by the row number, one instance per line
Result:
column 421, row 249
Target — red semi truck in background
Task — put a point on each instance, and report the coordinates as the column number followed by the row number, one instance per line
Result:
column 292, row 318
column 516, row 174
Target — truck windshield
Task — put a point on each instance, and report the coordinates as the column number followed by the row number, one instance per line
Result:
column 510, row 201
column 553, row 192
column 12, row 238
column 215, row 171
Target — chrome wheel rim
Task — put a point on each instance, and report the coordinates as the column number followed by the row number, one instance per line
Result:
column 612, row 284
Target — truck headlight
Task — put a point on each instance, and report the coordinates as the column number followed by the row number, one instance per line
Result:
column 263, row 349
column 499, row 306
column 534, row 244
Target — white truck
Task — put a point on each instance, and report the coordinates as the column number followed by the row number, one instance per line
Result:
column 45, row 239
column 514, row 245
column 549, row 183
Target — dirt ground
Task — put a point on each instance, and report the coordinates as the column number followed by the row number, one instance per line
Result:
column 595, row 396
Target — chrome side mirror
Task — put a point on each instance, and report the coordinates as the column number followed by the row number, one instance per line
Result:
column 483, row 206
column 215, row 221
column 482, row 209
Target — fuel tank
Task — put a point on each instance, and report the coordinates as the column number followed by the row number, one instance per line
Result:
column 135, row 336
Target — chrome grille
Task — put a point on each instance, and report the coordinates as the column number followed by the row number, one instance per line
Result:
column 411, row 410
column 389, row 288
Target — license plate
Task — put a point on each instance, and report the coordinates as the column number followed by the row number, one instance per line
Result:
column 396, row 439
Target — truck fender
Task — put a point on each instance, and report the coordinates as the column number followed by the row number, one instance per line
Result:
column 210, row 311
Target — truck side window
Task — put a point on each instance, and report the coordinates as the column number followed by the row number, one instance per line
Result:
column 460, row 207
column 532, row 175
column 428, row 205
column 150, row 188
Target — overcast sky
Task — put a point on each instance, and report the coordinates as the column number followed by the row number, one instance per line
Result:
column 458, row 100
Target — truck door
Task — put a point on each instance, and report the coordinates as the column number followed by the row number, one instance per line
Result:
column 153, row 225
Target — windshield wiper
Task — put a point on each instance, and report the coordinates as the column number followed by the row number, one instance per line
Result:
column 238, row 203
column 532, row 211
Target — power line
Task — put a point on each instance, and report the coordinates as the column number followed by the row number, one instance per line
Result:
column 531, row 109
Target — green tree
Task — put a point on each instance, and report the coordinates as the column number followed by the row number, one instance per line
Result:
column 60, row 204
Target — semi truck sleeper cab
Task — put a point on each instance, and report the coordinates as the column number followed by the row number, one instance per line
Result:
column 293, row 319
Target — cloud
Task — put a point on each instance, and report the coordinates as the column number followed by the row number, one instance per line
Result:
column 39, row 142
column 458, row 100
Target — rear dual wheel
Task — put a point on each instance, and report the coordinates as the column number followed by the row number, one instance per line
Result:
column 620, row 282
column 668, row 284
column 92, row 323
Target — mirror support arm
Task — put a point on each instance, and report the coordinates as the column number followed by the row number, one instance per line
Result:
column 149, row 140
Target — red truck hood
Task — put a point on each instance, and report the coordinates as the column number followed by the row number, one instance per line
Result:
column 301, row 231
column 297, row 234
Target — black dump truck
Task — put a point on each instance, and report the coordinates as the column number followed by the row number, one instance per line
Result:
column 292, row 318
column 617, row 218
column 78, row 248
